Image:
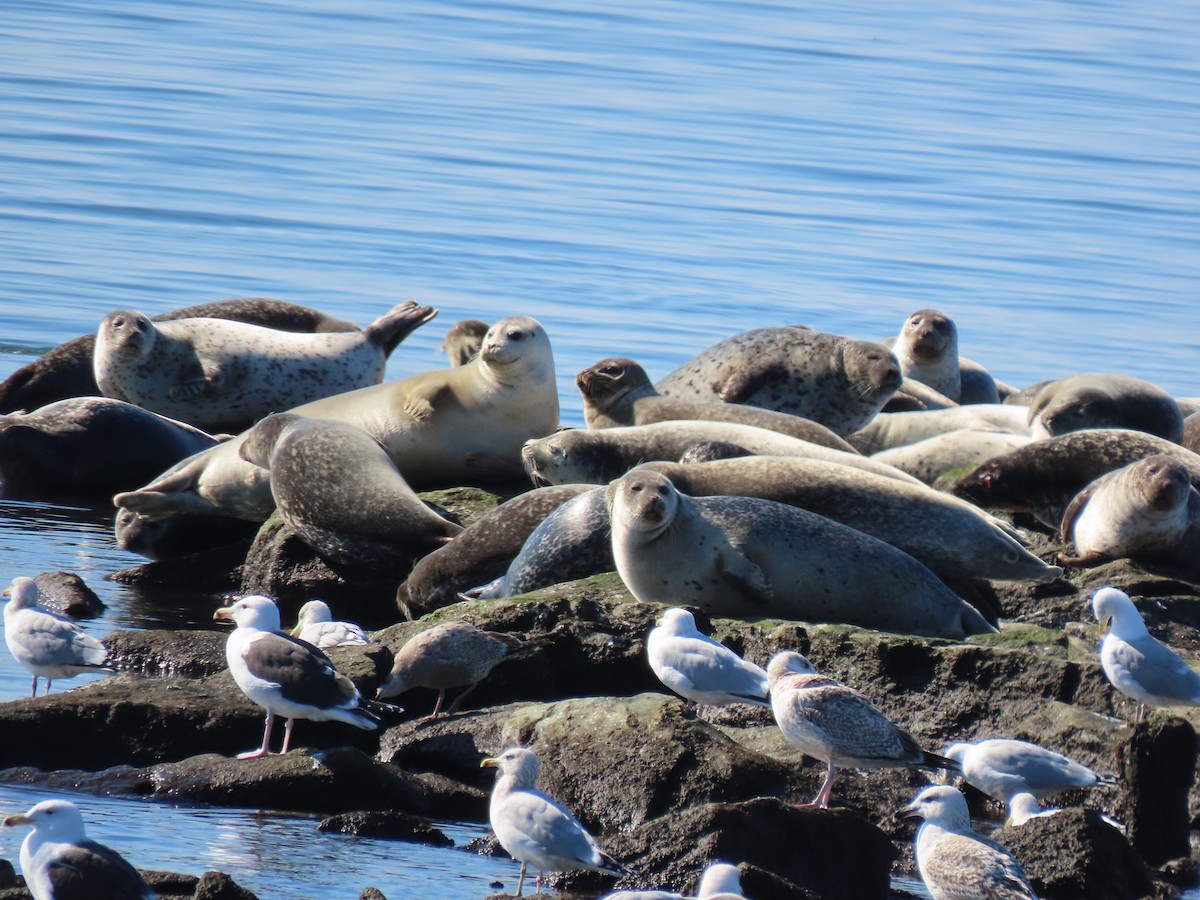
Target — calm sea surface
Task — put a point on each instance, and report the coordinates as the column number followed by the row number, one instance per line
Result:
column 644, row 179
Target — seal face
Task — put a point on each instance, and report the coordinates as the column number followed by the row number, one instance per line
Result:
column 927, row 351
column 1103, row 400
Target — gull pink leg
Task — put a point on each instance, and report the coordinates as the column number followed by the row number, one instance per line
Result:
column 266, row 744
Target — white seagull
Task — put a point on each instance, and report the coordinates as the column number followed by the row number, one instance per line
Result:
column 284, row 675
column 316, row 625
column 956, row 863
column 718, row 882
column 58, row 860
column 699, row 669
column 836, row 724
column 1138, row 665
column 1001, row 767
column 536, row 830
column 47, row 644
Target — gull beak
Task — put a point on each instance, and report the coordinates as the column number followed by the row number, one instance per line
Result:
column 17, row 820
column 908, row 812
column 7, row 592
column 490, row 763
column 224, row 614
column 1102, row 627
column 295, row 632
column 1008, row 822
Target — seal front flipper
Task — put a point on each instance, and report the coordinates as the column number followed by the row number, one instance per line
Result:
column 744, row 576
column 739, row 386
column 1084, row 560
column 211, row 382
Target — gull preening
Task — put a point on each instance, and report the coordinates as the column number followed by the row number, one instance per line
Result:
column 316, row 625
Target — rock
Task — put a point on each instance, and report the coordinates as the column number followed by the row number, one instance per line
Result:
column 170, row 884
column 8, row 874
column 219, row 886
column 387, row 824
column 194, row 654
column 1158, row 763
column 67, row 593
column 1075, row 854
column 215, row 570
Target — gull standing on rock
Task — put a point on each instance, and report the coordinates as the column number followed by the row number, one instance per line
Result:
column 836, row 724
column 1002, row 767
column 59, row 862
column 699, row 669
column 316, row 625
column 1138, row 665
column 450, row 655
column 284, row 675
column 956, row 863
column 536, row 830
column 47, row 644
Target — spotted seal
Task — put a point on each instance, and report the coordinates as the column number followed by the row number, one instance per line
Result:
column 1191, row 433
column 224, row 376
column 1147, row 511
column 927, row 351
column 446, row 427
column 839, row 382
column 597, row 457
column 927, row 460
column 1043, row 477
column 617, row 391
column 742, row 556
column 463, row 340
column 1104, row 400
column 895, row 429
column 90, row 447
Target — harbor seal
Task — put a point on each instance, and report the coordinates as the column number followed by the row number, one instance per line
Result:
column 617, row 391
column 180, row 536
column 1103, row 400
column 741, row 556
column 1147, row 511
column 929, row 459
column 67, row 370
column 1043, row 477
column 90, row 447
column 597, row 457
column 888, row 430
column 340, row 493
column 446, row 427
column 463, row 340
column 839, row 382
column 224, row 376
column 927, row 351
column 482, row 552
column 1191, row 433
column 954, row 539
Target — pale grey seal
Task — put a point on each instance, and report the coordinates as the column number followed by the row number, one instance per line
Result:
column 927, row 460
column 1104, row 400
column 896, row 429
column 743, row 556
column 446, row 427
column 927, row 351
column 839, row 382
column 224, row 375
column 463, row 340
column 617, row 391
column 340, row 493
column 1191, row 433
column 1147, row 511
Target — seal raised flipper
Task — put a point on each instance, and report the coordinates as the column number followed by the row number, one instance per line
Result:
column 390, row 329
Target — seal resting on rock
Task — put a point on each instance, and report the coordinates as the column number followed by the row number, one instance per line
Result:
column 927, row 351
column 224, row 375
column 339, row 491
column 617, row 391
column 455, row 426
column 1103, row 400
column 740, row 556
column 839, row 382
column 927, row 460
column 1147, row 511
column 888, row 430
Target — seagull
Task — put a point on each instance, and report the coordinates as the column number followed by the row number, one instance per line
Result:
column 285, row 675
column 1138, row 665
column 316, row 625
column 698, row 668
column 1024, row 806
column 450, row 655
column 1001, row 767
column 836, row 724
column 536, row 830
column 59, row 861
column 718, row 881
column 47, row 644
column 956, row 863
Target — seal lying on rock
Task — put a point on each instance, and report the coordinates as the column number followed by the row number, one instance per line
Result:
column 618, row 391
column 598, row 457
column 1103, row 400
column 224, row 375
column 898, row 429
column 839, row 382
column 927, row 460
column 1147, row 511
column 927, row 351
column 741, row 556
column 456, row 426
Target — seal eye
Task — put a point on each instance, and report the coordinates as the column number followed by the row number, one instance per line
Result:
column 516, row 335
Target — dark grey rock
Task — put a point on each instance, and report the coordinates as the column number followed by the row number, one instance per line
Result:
column 387, row 824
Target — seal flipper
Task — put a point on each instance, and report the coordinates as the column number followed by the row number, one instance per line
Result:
column 744, row 575
column 739, row 386
column 973, row 622
column 396, row 324
column 1074, row 510
column 212, row 380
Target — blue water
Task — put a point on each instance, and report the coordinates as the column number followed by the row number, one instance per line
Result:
column 645, row 179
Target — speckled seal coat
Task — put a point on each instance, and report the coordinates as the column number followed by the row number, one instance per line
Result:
column 839, row 382
column 1103, row 400
column 223, row 376
column 927, row 350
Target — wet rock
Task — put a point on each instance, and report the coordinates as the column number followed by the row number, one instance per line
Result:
column 170, row 884
column 1074, row 855
column 390, row 824
column 67, row 593
column 8, row 874
column 1159, row 764
column 219, row 886
column 195, row 654
column 216, row 570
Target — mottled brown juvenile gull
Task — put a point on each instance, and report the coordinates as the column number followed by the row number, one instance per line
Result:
column 1138, row 665
column 536, row 830
column 836, row 724
column 316, row 625
column 59, row 862
column 284, row 675
column 47, row 644
column 699, row 669
column 956, row 863
column 1001, row 767
column 450, row 655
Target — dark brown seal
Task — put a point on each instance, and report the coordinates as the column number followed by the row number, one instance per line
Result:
column 1103, row 400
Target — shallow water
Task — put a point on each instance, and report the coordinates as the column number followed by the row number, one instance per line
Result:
column 644, row 181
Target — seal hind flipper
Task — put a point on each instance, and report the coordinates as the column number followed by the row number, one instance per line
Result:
column 390, row 329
